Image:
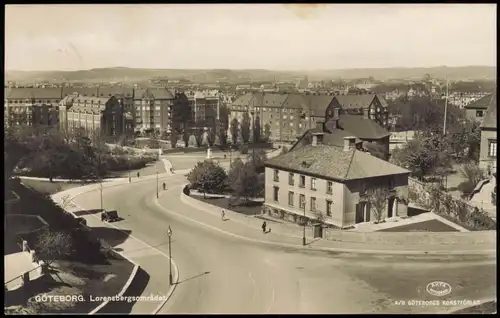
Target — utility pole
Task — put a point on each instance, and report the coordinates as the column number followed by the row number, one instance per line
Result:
column 169, row 233
column 253, row 137
column 445, row 107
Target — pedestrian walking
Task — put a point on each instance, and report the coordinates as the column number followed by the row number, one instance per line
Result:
column 264, row 225
column 223, row 215
column 164, row 186
column 138, row 174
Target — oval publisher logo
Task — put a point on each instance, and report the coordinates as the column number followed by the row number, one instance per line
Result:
column 439, row 289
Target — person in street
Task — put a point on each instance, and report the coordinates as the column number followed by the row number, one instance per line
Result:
column 164, row 186
column 138, row 174
column 223, row 215
column 264, row 225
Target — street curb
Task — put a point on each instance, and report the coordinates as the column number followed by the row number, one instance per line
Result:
column 176, row 269
column 330, row 249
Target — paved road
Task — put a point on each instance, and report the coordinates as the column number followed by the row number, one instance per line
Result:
column 222, row 274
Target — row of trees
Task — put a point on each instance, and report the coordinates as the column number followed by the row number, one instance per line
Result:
column 245, row 129
column 244, row 180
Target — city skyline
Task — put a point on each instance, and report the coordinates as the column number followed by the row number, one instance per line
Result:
column 237, row 36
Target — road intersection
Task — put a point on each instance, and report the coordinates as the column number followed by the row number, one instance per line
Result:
column 223, row 274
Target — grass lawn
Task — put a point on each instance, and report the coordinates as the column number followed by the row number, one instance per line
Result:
column 250, row 208
column 425, row 226
column 72, row 278
column 486, row 308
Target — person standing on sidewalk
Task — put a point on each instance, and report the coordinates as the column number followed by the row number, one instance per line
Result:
column 264, row 225
column 138, row 174
column 223, row 215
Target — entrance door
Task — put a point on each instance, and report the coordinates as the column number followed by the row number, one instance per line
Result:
column 367, row 211
column 390, row 207
column 360, row 212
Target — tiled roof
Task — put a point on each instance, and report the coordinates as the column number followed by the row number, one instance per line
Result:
column 335, row 138
column 334, row 163
column 114, row 90
column 382, row 101
column 362, row 128
column 33, row 93
column 355, row 100
column 95, row 100
column 243, row 100
column 84, row 91
column 481, row 103
column 490, row 120
column 157, row 93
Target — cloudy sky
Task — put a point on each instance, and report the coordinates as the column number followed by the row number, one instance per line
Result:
column 266, row 36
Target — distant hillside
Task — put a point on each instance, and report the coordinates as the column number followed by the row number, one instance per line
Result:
column 123, row 74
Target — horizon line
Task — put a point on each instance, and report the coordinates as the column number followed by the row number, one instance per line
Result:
column 253, row 69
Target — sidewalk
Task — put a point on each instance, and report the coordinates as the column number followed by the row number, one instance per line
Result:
column 248, row 228
column 150, row 259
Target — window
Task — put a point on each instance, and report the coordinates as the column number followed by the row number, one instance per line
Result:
column 313, row 183
column 479, row 113
column 302, row 201
column 492, row 148
column 291, row 117
column 313, row 204
column 290, row 179
column 284, row 116
column 276, row 194
column 328, row 208
column 329, row 187
column 302, row 181
column 290, row 198
column 276, row 175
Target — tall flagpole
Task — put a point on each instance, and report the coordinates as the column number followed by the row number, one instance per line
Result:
column 445, row 108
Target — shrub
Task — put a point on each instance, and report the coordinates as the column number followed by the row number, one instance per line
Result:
column 244, row 149
column 466, row 188
column 208, row 177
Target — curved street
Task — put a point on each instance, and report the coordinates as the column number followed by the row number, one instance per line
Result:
column 222, row 274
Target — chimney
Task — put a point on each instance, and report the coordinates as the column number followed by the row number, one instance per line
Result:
column 317, row 139
column 349, row 143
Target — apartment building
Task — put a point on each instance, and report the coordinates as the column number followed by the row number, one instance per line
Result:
column 32, row 106
column 104, row 116
column 332, row 181
column 205, row 108
column 285, row 116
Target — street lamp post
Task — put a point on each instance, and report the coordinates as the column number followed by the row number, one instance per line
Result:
column 100, row 188
column 304, row 226
column 157, row 190
column 253, row 137
column 169, row 233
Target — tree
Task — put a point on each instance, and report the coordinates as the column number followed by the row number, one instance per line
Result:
column 235, row 130
column 154, row 141
column 234, row 170
column 267, row 133
column 222, row 136
column 174, row 137
column 256, row 130
column 211, row 137
column 260, row 157
column 378, row 199
column 465, row 140
column 199, row 137
column 376, row 150
column 245, row 128
column 53, row 246
column 472, row 173
column 246, row 182
column 182, row 113
column 208, row 177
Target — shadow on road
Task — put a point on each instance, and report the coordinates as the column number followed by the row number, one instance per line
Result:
column 136, row 288
column 112, row 236
column 87, row 212
column 313, row 241
column 193, row 277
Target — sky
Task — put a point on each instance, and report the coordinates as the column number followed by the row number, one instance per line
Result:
column 249, row 36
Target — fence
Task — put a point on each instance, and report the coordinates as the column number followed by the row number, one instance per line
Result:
column 455, row 210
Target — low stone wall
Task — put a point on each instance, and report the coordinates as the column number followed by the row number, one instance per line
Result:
column 455, row 210
column 413, row 238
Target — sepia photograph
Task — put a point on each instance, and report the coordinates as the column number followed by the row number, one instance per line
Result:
column 250, row 158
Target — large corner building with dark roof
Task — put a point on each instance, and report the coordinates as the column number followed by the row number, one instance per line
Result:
column 288, row 116
column 328, row 172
